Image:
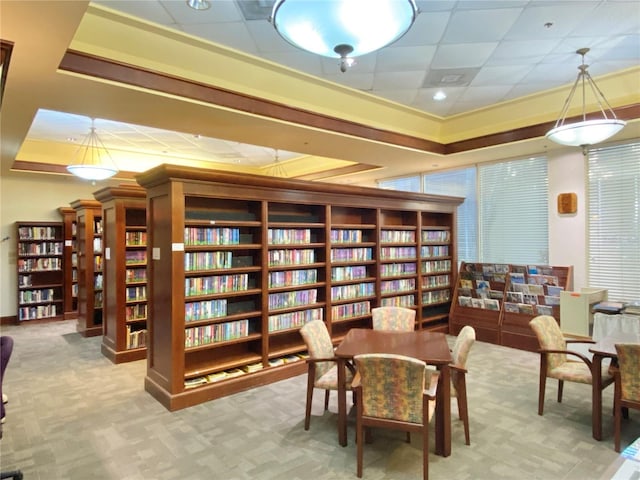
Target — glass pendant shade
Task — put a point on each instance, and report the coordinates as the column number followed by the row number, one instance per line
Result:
column 92, row 161
column 585, row 132
column 342, row 28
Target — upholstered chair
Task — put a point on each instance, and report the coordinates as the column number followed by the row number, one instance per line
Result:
column 556, row 361
column 396, row 392
column 627, row 384
column 323, row 370
column 461, row 348
column 398, row 319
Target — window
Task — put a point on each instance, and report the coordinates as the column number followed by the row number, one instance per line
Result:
column 459, row 183
column 406, row 184
column 614, row 220
column 513, row 209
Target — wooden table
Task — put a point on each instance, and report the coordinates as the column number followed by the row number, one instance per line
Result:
column 430, row 347
column 605, row 348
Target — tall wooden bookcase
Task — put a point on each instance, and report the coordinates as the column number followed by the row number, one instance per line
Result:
column 40, row 270
column 70, row 263
column 125, row 275
column 89, row 258
column 499, row 300
column 238, row 263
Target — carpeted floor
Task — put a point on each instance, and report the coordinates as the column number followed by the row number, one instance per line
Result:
column 72, row 414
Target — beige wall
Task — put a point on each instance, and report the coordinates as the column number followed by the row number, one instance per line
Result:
column 33, row 197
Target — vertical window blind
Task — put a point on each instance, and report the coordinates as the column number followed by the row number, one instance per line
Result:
column 513, row 209
column 406, row 184
column 614, row 220
column 459, row 183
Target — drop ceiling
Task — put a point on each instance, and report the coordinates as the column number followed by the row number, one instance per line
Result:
column 479, row 53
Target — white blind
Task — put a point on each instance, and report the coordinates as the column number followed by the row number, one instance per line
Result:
column 459, row 183
column 513, row 207
column 614, row 220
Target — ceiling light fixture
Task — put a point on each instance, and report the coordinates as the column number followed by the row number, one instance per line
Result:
column 585, row 132
column 199, row 4
column 342, row 29
column 92, row 160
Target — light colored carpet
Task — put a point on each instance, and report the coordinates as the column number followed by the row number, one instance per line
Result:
column 72, row 414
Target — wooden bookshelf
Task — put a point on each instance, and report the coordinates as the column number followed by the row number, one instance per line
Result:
column 89, row 258
column 69, row 263
column 40, row 260
column 499, row 300
column 124, row 290
column 238, row 263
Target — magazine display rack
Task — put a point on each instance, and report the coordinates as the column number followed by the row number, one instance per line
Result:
column 499, row 300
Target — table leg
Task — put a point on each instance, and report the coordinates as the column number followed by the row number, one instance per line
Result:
column 443, row 413
column 342, row 402
column 596, row 386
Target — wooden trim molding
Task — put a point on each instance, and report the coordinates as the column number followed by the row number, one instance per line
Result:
column 103, row 68
column 5, row 57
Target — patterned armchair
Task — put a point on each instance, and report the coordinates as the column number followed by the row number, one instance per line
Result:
column 558, row 362
column 323, row 370
column 461, row 348
column 397, row 392
column 627, row 384
column 398, row 319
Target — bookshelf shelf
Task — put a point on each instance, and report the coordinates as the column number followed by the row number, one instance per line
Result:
column 125, row 286
column 316, row 255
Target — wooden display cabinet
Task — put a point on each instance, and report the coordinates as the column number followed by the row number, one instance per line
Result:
column 89, row 257
column 70, row 263
column 125, row 272
column 238, row 263
column 40, row 260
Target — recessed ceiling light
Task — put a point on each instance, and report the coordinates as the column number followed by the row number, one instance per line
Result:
column 439, row 95
column 72, row 139
column 199, row 4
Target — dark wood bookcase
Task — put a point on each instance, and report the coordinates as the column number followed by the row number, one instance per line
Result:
column 124, row 293
column 238, row 263
column 89, row 258
column 70, row 263
column 40, row 261
column 499, row 300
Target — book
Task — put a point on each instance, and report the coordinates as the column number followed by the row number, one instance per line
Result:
column 464, row 301
column 491, row 304
column 511, row 307
column 525, row 308
column 544, row 310
column 608, row 307
column 477, row 303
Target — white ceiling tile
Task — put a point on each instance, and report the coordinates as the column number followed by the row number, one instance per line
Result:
column 465, row 55
column 611, row 19
column 402, row 80
column 232, row 34
column 467, row 26
column 502, row 75
column 298, row 60
column 521, row 52
column 427, row 29
column 485, row 95
column 219, row 12
column 405, row 58
column 401, row 96
column 564, row 18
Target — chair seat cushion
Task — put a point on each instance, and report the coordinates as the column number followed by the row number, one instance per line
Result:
column 329, row 381
column 575, row 372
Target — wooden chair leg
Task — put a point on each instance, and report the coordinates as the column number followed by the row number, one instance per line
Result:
column 326, row 400
column 307, row 413
column 463, row 413
column 560, row 388
column 543, row 383
column 617, row 414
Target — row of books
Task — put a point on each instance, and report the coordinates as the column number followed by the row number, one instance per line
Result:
column 39, row 233
column 211, row 236
column 345, row 236
column 290, row 278
column 291, row 257
column 137, row 294
column 295, row 298
column 357, row 254
column 399, row 285
column 238, row 372
column 397, row 236
column 97, row 263
column 44, row 248
column 436, row 266
column 488, row 303
column 433, row 236
column 215, row 284
column 434, row 251
column 135, row 257
column 436, row 296
column 39, row 264
column 207, row 260
column 136, row 338
column 397, row 253
column 97, row 245
column 349, row 292
column 133, row 275
column 217, row 332
column 435, row 281
column 194, row 311
column 135, row 239
column 355, row 272
column 350, row 310
column 37, row 312
column 528, row 309
column 396, row 269
column 288, row 236
column 398, row 301
column 36, row 296
column 285, row 321
column 135, row 312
